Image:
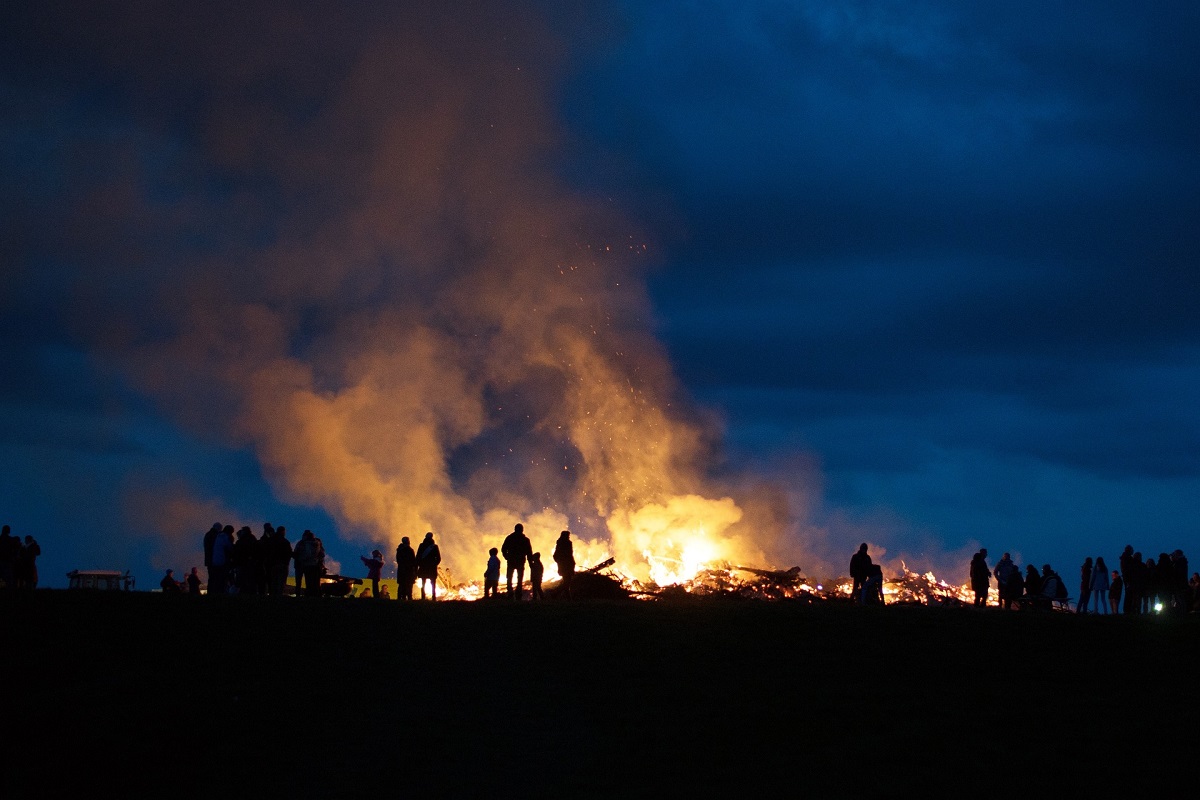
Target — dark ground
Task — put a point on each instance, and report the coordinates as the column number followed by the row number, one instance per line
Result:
column 144, row 694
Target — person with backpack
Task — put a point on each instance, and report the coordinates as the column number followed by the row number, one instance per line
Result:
column 309, row 556
column 1053, row 588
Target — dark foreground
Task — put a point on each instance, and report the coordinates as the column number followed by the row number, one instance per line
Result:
column 144, row 694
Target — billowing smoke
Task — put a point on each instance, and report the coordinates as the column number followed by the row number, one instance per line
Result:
column 359, row 263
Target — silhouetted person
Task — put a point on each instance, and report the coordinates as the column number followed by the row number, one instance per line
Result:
column 491, row 574
column 860, row 567
column 309, row 555
column 1085, row 586
column 1135, row 583
column 247, row 563
column 873, row 586
column 193, row 581
column 1033, row 583
column 277, row 557
column 981, row 577
column 1127, row 577
column 222, row 561
column 516, row 551
column 406, row 570
column 1099, row 587
column 429, row 555
column 210, row 542
column 1149, row 586
column 1051, row 588
column 169, row 585
column 9, row 547
column 374, row 566
column 535, row 577
column 27, row 574
column 1005, row 571
column 1180, row 602
column 1114, row 591
column 564, row 559
column 1016, row 586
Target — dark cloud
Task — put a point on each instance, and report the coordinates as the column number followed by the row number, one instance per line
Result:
column 947, row 250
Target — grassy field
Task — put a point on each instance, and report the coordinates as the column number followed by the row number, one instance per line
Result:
column 232, row 697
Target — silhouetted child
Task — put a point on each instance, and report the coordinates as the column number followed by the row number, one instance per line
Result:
column 193, row 581
column 535, row 575
column 491, row 576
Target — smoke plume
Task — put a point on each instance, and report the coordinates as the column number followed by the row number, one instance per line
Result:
column 341, row 243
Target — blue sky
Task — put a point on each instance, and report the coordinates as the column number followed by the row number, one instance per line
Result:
column 937, row 262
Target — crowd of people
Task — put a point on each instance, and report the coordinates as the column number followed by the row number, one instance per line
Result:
column 18, row 560
column 1138, row 586
column 247, row 564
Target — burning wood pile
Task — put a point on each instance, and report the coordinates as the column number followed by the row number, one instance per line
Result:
column 912, row 588
column 605, row 581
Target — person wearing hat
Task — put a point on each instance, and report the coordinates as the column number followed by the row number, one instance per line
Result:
column 374, row 566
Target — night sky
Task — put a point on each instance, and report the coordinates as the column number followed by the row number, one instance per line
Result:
column 928, row 269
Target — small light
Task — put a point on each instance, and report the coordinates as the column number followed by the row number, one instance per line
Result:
column 1158, row 608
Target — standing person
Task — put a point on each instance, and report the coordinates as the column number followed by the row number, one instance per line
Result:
column 210, row 542
column 1005, row 571
column 873, row 586
column 193, row 581
column 491, row 575
column 222, row 560
column 860, row 568
column 247, row 561
column 429, row 555
column 1114, row 590
column 1085, row 586
column 374, row 566
column 1099, row 585
column 1135, row 584
column 1149, row 586
column 278, row 559
column 1180, row 594
column 535, row 577
column 564, row 559
column 1126, row 564
column 516, row 550
column 27, row 574
column 981, row 577
column 309, row 555
column 1033, row 582
column 9, row 545
column 406, row 570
